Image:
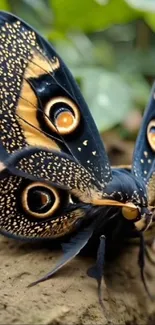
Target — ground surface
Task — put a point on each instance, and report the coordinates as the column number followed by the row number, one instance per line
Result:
column 70, row 297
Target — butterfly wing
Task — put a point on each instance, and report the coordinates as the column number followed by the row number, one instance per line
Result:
column 41, row 102
column 34, row 210
column 144, row 153
column 58, row 169
column 36, row 190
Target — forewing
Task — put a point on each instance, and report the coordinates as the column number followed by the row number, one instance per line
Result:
column 34, row 79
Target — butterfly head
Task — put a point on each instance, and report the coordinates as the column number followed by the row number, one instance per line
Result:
column 129, row 195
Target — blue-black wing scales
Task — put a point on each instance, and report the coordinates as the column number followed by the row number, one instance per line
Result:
column 144, row 153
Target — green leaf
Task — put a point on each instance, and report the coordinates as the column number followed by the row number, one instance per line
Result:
column 150, row 20
column 108, row 96
column 90, row 15
column 4, row 5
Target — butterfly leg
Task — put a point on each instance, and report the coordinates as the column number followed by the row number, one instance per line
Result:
column 96, row 271
column 141, row 263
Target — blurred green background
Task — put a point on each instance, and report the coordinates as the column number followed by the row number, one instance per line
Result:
column 109, row 45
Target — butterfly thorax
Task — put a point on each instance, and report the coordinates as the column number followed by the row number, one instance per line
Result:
column 128, row 189
column 125, row 187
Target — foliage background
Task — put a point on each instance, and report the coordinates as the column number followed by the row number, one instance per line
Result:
column 109, row 47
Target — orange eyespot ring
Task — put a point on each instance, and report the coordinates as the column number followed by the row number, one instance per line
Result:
column 130, row 213
column 40, row 200
column 66, row 115
column 151, row 134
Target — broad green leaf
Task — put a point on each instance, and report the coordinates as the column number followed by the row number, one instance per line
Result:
column 56, row 35
column 150, row 19
column 4, row 5
column 90, row 15
column 108, row 96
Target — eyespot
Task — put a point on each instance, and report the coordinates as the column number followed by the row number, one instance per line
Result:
column 130, row 213
column 62, row 115
column 40, row 200
column 151, row 134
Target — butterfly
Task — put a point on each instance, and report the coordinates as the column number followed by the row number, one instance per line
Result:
column 55, row 175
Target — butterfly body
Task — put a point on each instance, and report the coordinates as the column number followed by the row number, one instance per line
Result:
column 55, row 176
column 124, row 187
column 127, row 186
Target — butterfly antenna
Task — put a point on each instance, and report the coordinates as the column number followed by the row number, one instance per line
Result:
column 34, row 127
column 40, row 108
column 56, row 81
column 41, row 131
column 50, row 73
column 62, row 140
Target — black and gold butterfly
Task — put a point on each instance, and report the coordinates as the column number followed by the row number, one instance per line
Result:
column 55, row 175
